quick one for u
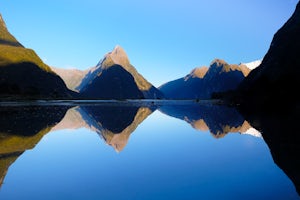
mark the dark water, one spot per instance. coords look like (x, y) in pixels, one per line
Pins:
(148, 150)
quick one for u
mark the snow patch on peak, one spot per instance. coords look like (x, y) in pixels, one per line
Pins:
(253, 132)
(252, 65)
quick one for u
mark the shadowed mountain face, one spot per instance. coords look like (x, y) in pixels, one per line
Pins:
(23, 74)
(203, 82)
(21, 128)
(29, 80)
(276, 80)
(218, 119)
(113, 83)
(116, 72)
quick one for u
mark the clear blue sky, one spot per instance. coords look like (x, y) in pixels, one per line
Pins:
(164, 40)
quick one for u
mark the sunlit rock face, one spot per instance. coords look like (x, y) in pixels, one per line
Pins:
(121, 80)
(5, 37)
(203, 81)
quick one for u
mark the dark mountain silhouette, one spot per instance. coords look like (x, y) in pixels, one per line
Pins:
(21, 128)
(113, 83)
(203, 82)
(217, 119)
(23, 74)
(268, 97)
(121, 80)
(276, 80)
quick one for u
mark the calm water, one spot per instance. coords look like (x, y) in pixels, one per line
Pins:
(135, 151)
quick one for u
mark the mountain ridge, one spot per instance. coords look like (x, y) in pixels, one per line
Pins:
(203, 82)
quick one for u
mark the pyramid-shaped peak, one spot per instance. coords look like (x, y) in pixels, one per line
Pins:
(118, 50)
(117, 56)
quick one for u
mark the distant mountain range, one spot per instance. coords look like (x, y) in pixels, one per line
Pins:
(204, 81)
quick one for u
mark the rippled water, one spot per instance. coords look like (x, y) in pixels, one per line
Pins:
(134, 150)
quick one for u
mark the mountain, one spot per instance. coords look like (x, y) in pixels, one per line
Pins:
(115, 78)
(23, 74)
(276, 80)
(268, 97)
(203, 82)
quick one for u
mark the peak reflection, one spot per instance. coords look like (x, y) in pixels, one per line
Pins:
(114, 123)
(219, 120)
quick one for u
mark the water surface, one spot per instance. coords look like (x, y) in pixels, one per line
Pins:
(145, 150)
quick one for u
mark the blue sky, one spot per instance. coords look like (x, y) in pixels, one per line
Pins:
(164, 40)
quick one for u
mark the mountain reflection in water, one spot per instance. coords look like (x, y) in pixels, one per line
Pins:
(22, 127)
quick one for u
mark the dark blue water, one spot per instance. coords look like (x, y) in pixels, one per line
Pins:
(135, 152)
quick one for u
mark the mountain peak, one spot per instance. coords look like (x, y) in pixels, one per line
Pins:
(2, 23)
(218, 62)
(220, 66)
(5, 37)
(116, 56)
(198, 72)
